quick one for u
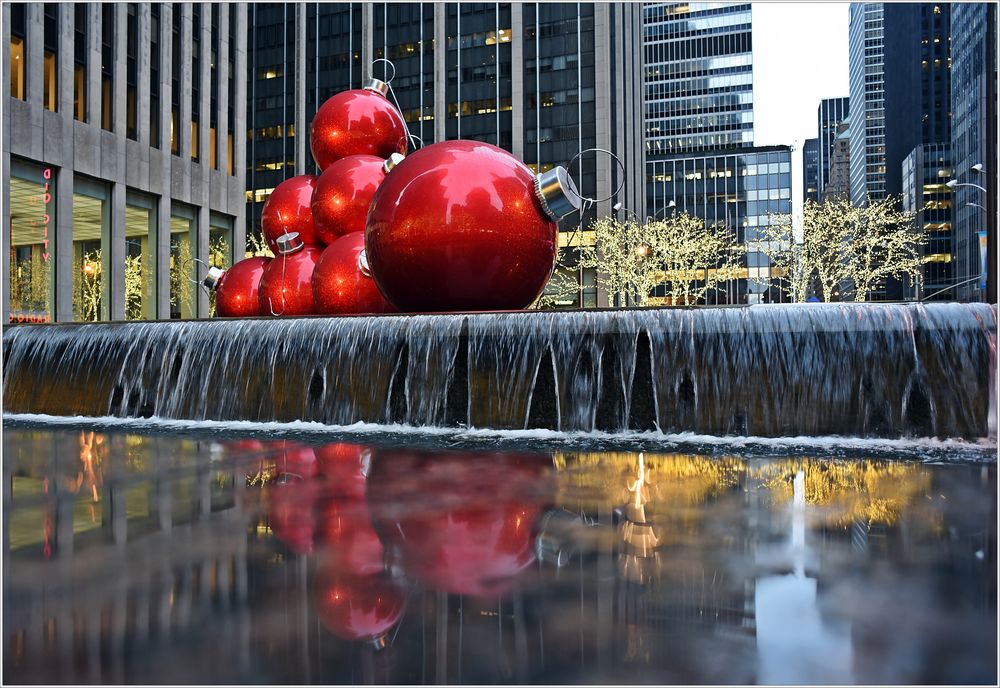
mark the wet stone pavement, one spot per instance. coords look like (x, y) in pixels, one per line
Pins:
(170, 559)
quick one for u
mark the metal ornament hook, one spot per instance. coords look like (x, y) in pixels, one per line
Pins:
(270, 304)
(389, 79)
(388, 82)
(621, 183)
(214, 274)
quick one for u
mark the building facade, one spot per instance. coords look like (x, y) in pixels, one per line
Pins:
(810, 171)
(123, 146)
(974, 142)
(740, 189)
(699, 77)
(925, 173)
(867, 101)
(830, 114)
(542, 80)
(838, 186)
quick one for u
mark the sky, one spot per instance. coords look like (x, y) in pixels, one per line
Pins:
(799, 58)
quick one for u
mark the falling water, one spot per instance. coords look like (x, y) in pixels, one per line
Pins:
(871, 370)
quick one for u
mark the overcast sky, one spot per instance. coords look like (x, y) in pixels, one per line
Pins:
(799, 58)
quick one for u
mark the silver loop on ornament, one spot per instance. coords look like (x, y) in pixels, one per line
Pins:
(621, 184)
(388, 62)
(270, 304)
(208, 283)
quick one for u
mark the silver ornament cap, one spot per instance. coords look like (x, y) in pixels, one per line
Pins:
(212, 278)
(363, 264)
(557, 193)
(392, 161)
(289, 243)
(377, 85)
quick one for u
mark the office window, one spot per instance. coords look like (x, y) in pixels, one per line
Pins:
(80, 62)
(140, 257)
(196, 85)
(154, 75)
(220, 248)
(31, 235)
(183, 248)
(107, 66)
(91, 259)
(131, 71)
(50, 64)
(175, 81)
(18, 34)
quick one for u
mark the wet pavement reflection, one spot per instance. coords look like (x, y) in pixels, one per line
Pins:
(171, 559)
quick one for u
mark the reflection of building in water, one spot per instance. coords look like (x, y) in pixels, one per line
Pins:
(101, 559)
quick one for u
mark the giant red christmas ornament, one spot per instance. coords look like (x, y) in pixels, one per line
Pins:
(237, 289)
(349, 540)
(463, 523)
(342, 282)
(289, 209)
(463, 225)
(345, 467)
(344, 193)
(357, 122)
(356, 607)
(286, 285)
(292, 507)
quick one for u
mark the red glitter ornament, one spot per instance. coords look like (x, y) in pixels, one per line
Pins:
(344, 466)
(291, 512)
(357, 122)
(289, 209)
(356, 607)
(344, 193)
(286, 285)
(237, 289)
(342, 282)
(463, 225)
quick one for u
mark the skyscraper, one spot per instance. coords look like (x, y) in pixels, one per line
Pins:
(699, 77)
(830, 114)
(838, 186)
(123, 153)
(542, 80)
(867, 101)
(925, 193)
(810, 171)
(973, 142)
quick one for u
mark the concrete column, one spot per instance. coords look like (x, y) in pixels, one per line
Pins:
(184, 109)
(517, 79)
(440, 71)
(93, 76)
(142, 86)
(5, 203)
(202, 253)
(116, 285)
(65, 72)
(367, 40)
(301, 161)
(163, 200)
(63, 257)
(239, 136)
(34, 51)
(201, 195)
(222, 104)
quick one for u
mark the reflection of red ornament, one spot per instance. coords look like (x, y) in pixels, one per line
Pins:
(296, 460)
(349, 540)
(356, 607)
(464, 523)
(291, 513)
(286, 286)
(237, 292)
(357, 122)
(458, 225)
(289, 209)
(344, 193)
(341, 281)
(344, 466)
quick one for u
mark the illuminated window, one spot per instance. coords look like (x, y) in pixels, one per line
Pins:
(183, 240)
(32, 224)
(17, 68)
(140, 258)
(175, 144)
(107, 61)
(211, 149)
(91, 259)
(79, 94)
(220, 248)
(50, 94)
(194, 141)
(229, 153)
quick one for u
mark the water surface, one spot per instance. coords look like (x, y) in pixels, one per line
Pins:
(188, 558)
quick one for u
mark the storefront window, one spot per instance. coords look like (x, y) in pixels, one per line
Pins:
(32, 228)
(183, 240)
(90, 251)
(140, 258)
(220, 248)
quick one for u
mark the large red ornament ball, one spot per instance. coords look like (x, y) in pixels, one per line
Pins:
(289, 209)
(344, 466)
(356, 122)
(343, 195)
(286, 285)
(292, 512)
(457, 226)
(356, 607)
(341, 283)
(237, 292)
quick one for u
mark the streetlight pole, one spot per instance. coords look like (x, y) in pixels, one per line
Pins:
(955, 184)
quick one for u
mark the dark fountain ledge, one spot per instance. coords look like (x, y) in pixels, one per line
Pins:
(781, 370)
